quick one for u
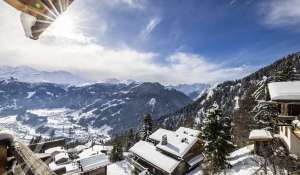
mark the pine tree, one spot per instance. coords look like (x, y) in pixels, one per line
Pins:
(117, 152)
(130, 139)
(216, 133)
(264, 112)
(52, 133)
(147, 127)
(286, 73)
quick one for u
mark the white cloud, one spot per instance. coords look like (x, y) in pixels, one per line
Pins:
(153, 23)
(135, 4)
(281, 12)
(94, 61)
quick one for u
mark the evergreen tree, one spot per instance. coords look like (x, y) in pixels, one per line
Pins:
(264, 112)
(117, 152)
(147, 127)
(286, 73)
(130, 139)
(52, 133)
(216, 134)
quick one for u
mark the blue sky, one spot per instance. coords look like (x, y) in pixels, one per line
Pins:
(169, 41)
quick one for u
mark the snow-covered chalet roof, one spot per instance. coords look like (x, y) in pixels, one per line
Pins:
(57, 149)
(188, 131)
(196, 160)
(285, 91)
(94, 162)
(157, 135)
(179, 141)
(94, 150)
(148, 152)
(178, 144)
(260, 134)
(70, 167)
(60, 156)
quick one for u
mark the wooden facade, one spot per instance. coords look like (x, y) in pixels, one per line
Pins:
(289, 112)
(99, 171)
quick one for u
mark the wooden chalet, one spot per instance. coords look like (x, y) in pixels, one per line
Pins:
(287, 96)
(168, 152)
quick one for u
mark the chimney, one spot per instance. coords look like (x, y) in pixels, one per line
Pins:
(164, 140)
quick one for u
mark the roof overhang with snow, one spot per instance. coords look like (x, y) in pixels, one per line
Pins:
(148, 152)
(260, 135)
(285, 91)
(94, 162)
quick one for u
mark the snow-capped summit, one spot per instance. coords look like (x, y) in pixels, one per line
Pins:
(192, 90)
(28, 74)
(118, 81)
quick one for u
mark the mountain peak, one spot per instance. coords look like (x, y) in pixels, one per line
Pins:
(29, 74)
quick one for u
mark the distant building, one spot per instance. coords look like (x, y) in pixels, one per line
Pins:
(287, 96)
(168, 152)
(94, 165)
(90, 161)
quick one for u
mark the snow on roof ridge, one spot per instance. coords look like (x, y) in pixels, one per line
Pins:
(259, 134)
(188, 131)
(179, 141)
(288, 90)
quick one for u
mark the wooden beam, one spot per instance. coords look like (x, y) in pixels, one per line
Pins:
(35, 165)
(3, 159)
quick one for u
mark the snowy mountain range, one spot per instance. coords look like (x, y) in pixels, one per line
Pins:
(31, 75)
(28, 74)
(117, 107)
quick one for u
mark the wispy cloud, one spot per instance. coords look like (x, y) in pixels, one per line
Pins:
(281, 12)
(232, 2)
(152, 24)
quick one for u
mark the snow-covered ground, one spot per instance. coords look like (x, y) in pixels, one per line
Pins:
(196, 171)
(119, 168)
(244, 162)
(21, 131)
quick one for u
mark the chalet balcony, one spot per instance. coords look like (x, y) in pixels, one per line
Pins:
(285, 120)
(288, 118)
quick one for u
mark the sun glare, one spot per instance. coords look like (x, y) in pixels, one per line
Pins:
(66, 26)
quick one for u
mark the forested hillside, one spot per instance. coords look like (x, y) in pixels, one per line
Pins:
(236, 98)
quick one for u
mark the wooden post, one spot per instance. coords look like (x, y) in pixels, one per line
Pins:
(3, 159)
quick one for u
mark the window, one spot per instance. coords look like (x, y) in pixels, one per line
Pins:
(294, 109)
